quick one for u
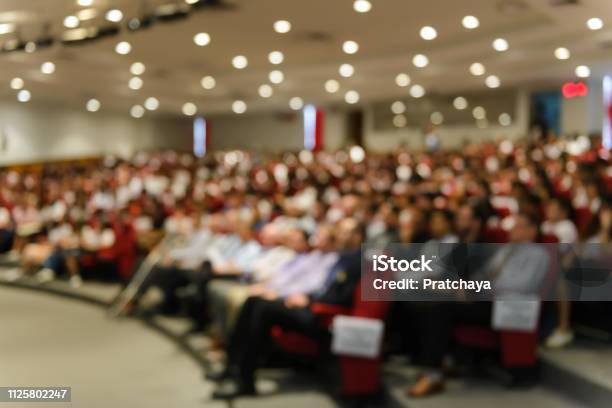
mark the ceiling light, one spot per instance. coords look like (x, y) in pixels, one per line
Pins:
(400, 121)
(562, 53)
(282, 26)
(479, 113)
(470, 22)
(84, 3)
(595, 23)
(24, 95)
(460, 103)
(505, 119)
(398, 107)
(87, 14)
(240, 62)
(114, 15)
(296, 103)
(428, 33)
(208, 83)
(265, 91)
(189, 109)
(239, 107)
(402, 80)
(137, 111)
(477, 69)
(93, 105)
(276, 57)
(362, 6)
(135, 83)
(350, 47)
(201, 39)
(346, 70)
(17, 83)
(332, 86)
(123, 48)
(436, 118)
(500, 45)
(582, 71)
(417, 91)
(151, 103)
(276, 77)
(351, 97)
(47, 68)
(71, 22)
(137, 68)
(420, 61)
(492, 81)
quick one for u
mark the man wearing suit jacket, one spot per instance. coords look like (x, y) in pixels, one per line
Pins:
(252, 332)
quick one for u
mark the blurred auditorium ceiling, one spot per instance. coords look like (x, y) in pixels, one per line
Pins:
(388, 37)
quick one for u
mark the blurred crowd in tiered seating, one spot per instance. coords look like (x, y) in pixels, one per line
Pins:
(265, 238)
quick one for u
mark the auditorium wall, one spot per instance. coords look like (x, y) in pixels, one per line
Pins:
(36, 132)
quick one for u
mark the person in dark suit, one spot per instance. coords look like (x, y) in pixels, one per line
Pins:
(251, 334)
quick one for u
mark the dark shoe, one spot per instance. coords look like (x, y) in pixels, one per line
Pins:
(232, 390)
(219, 375)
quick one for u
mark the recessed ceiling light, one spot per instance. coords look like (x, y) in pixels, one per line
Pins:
(428, 33)
(282, 26)
(30, 47)
(265, 91)
(84, 3)
(71, 22)
(351, 97)
(400, 121)
(562, 53)
(123, 48)
(417, 91)
(500, 45)
(398, 107)
(460, 103)
(583, 71)
(24, 95)
(151, 103)
(296, 103)
(470, 22)
(505, 119)
(208, 82)
(240, 62)
(479, 113)
(137, 111)
(276, 77)
(276, 57)
(17, 83)
(595, 23)
(362, 6)
(114, 15)
(137, 68)
(436, 118)
(93, 105)
(420, 61)
(346, 70)
(332, 86)
(87, 14)
(492, 81)
(350, 47)
(47, 68)
(402, 80)
(189, 109)
(135, 83)
(201, 39)
(239, 107)
(477, 69)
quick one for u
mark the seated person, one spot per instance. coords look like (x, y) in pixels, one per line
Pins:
(513, 268)
(251, 335)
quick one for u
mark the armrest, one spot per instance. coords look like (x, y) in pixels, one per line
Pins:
(326, 313)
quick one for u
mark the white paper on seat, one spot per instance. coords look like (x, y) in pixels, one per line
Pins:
(357, 336)
(520, 315)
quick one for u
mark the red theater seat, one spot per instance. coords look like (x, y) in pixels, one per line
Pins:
(360, 376)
